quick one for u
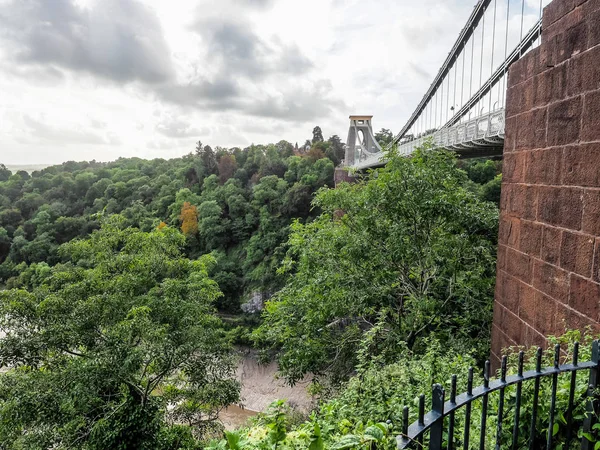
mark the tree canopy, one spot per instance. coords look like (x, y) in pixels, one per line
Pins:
(236, 202)
(408, 252)
(112, 345)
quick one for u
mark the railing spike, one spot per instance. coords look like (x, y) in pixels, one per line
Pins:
(405, 421)
(520, 364)
(421, 409)
(453, 389)
(538, 359)
(470, 382)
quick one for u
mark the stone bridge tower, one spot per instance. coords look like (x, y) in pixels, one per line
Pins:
(361, 141)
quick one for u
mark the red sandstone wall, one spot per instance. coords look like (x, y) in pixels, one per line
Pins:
(341, 175)
(549, 243)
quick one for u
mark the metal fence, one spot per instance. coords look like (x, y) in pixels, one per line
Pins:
(438, 427)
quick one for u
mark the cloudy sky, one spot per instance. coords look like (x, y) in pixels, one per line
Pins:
(99, 79)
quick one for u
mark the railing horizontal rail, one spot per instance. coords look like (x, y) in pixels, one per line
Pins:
(433, 421)
(495, 385)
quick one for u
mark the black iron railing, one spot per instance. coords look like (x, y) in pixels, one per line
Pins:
(439, 426)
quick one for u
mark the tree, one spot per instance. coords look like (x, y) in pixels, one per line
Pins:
(481, 172)
(5, 174)
(317, 135)
(384, 137)
(209, 159)
(337, 150)
(227, 167)
(189, 220)
(413, 255)
(104, 349)
(491, 190)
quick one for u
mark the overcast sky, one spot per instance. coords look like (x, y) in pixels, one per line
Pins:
(100, 79)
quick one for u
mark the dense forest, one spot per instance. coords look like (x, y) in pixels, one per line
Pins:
(236, 204)
(126, 286)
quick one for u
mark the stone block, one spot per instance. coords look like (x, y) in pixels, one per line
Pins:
(514, 100)
(530, 240)
(551, 242)
(527, 304)
(589, 6)
(561, 321)
(590, 120)
(510, 130)
(508, 232)
(585, 297)
(560, 206)
(591, 212)
(574, 39)
(513, 167)
(501, 260)
(545, 313)
(551, 280)
(519, 265)
(593, 28)
(531, 130)
(555, 11)
(551, 85)
(584, 72)
(564, 122)
(535, 339)
(517, 72)
(596, 265)
(582, 165)
(577, 253)
(521, 201)
(544, 166)
(515, 329)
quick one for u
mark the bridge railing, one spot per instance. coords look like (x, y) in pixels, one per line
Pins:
(438, 428)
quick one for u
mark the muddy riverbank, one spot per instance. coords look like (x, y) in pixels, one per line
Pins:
(261, 387)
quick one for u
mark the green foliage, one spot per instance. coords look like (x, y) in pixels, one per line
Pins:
(240, 216)
(384, 137)
(110, 346)
(366, 414)
(408, 253)
(490, 191)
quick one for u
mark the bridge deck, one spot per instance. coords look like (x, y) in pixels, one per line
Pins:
(478, 137)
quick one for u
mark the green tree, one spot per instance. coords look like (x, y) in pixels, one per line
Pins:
(108, 348)
(317, 135)
(413, 254)
(384, 137)
(5, 174)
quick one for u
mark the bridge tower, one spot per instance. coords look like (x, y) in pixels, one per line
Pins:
(361, 141)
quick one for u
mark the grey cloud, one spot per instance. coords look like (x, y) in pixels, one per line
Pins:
(244, 66)
(40, 130)
(179, 128)
(237, 50)
(299, 104)
(201, 93)
(120, 40)
(41, 75)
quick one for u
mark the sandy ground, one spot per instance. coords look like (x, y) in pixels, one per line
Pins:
(260, 388)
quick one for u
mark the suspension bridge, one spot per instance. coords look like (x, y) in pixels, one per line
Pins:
(464, 108)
